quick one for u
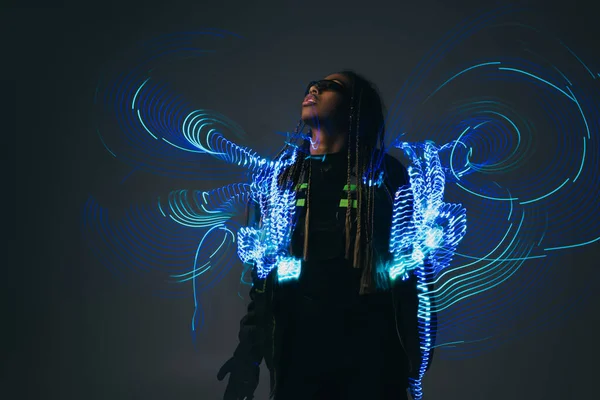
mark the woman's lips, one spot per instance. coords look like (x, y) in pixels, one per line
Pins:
(309, 100)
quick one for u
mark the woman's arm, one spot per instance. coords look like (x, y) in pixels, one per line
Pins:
(251, 325)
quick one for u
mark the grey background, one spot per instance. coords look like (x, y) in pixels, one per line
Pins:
(77, 333)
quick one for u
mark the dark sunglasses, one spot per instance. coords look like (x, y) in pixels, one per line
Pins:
(326, 84)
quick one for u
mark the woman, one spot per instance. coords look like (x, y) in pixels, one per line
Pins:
(342, 330)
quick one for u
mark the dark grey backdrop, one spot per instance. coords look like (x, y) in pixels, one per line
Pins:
(75, 332)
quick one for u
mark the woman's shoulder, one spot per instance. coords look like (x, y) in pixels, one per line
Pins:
(395, 172)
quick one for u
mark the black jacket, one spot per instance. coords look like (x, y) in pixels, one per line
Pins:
(261, 329)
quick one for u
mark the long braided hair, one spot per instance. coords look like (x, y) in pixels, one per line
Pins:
(366, 132)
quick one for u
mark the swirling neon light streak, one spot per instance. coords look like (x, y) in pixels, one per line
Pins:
(194, 280)
(461, 342)
(582, 160)
(209, 211)
(553, 66)
(447, 285)
(572, 245)
(483, 282)
(483, 290)
(511, 206)
(547, 194)
(160, 208)
(136, 94)
(578, 59)
(545, 230)
(144, 125)
(104, 144)
(180, 206)
(587, 127)
(480, 124)
(499, 259)
(189, 135)
(452, 152)
(484, 196)
(538, 78)
(486, 257)
(196, 272)
(183, 148)
(191, 225)
(460, 73)
(219, 248)
(514, 126)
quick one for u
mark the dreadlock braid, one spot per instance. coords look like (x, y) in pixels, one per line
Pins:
(294, 174)
(307, 216)
(348, 180)
(297, 178)
(359, 190)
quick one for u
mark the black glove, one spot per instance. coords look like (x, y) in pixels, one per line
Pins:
(243, 378)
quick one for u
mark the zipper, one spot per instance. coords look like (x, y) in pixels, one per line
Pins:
(389, 193)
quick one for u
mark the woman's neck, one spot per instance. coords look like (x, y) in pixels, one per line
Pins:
(325, 143)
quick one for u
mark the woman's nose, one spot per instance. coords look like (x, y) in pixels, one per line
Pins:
(313, 90)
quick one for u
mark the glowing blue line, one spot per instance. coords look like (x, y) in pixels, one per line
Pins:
(181, 148)
(184, 223)
(538, 78)
(102, 141)
(160, 208)
(210, 212)
(478, 273)
(460, 73)
(582, 160)
(481, 291)
(448, 344)
(511, 206)
(221, 245)
(513, 124)
(136, 93)
(452, 152)
(581, 111)
(468, 162)
(228, 230)
(573, 245)
(563, 75)
(545, 230)
(486, 197)
(142, 122)
(473, 263)
(547, 194)
(462, 341)
(188, 273)
(500, 259)
(483, 123)
(578, 59)
(194, 281)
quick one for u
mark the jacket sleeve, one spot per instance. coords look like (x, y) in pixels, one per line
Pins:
(251, 325)
(413, 327)
(395, 173)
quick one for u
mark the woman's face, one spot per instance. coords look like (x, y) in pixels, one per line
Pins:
(328, 107)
